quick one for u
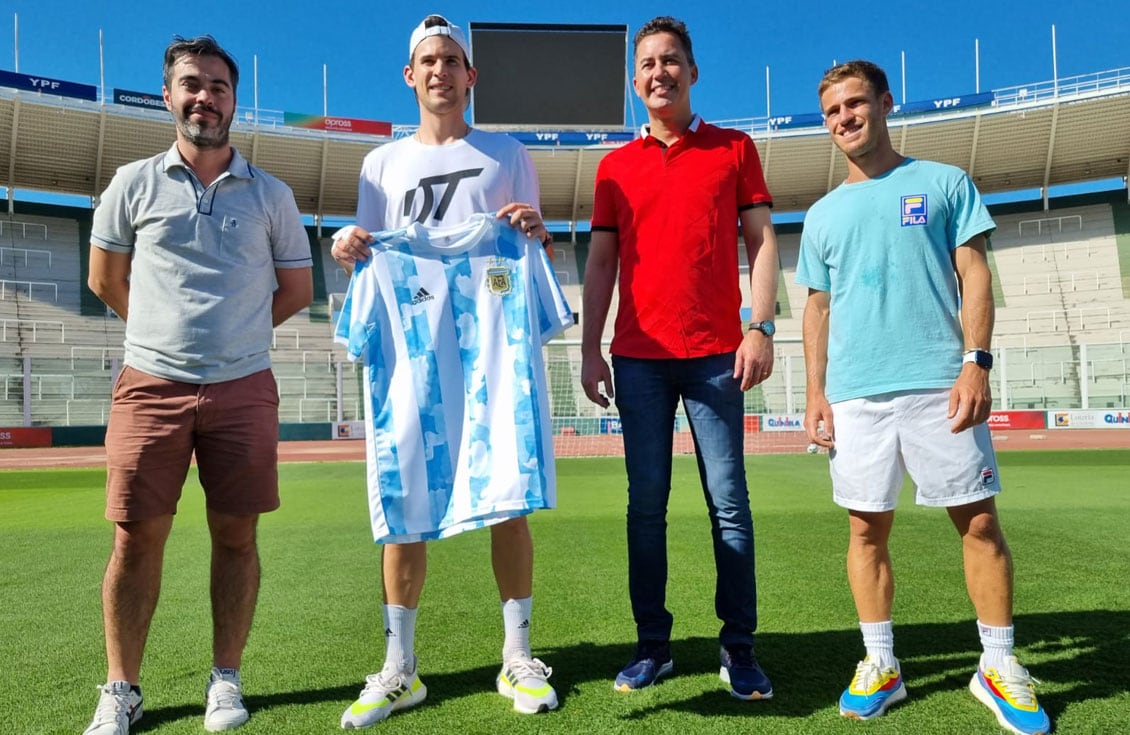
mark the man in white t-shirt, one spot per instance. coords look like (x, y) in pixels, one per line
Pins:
(440, 176)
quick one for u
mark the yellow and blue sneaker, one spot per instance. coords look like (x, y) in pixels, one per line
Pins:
(872, 691)
(523, 680)
(385, 692)
(1007, 690)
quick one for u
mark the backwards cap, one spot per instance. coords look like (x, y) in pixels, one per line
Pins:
(437, 25)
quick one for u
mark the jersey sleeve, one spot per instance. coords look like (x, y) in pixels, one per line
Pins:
(553, 313)
(355, 327)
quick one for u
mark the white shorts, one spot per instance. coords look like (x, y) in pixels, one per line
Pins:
(881, 438)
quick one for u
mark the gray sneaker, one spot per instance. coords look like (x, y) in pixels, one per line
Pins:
(118, 708)
(224, 695)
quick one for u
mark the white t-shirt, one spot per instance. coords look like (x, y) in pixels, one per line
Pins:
(450, 324)
(442, 185)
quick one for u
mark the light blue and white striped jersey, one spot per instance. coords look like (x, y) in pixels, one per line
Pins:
(450, 325)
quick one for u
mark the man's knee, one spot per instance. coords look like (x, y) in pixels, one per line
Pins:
(233, 533)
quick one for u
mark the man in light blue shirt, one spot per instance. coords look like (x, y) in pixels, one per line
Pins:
(896, 340)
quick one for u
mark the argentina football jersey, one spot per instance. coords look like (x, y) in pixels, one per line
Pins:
(449, 324)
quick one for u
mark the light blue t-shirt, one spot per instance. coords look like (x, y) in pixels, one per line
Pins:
(883, 248)
(450, 325)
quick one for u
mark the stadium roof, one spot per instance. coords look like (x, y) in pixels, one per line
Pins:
(1063, 132)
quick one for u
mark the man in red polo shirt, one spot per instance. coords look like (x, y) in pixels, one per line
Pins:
(665, 219)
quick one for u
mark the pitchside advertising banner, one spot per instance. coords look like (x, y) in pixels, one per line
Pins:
(1001, 420)
(349, 430)
(1093, 419)
(50, 86)
(38, 436)
(783, 422)
(337, 124)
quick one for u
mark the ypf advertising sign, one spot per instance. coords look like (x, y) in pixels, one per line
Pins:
(60, 87)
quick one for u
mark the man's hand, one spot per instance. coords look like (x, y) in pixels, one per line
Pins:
(594, 373)
(971, 398)
(818, 422)
(350, 246)
(753, 362)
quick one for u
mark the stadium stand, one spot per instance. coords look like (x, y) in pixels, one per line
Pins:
(1062, 267)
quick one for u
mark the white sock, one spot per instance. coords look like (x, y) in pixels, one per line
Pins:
(879, 639)
(997, 643)
(516, 624)
(400, 637)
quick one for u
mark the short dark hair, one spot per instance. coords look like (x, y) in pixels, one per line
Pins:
(666, 24)
(860, 69)
(199, 46)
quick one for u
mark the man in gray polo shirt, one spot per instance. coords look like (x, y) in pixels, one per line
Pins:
(201, 254)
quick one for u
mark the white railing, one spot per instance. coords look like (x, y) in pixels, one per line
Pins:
(36, 324)
(314, 413)
(26, 252)
(30, 285)
(13, 225)
(276, 333)
(285, 380)
(315, 359)
(104, 355)
(102, 406)
(1066, 316)
(1039, 224)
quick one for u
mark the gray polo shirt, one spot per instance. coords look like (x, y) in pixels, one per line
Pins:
(203, 264)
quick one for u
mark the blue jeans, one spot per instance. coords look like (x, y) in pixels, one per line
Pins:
(647, 394)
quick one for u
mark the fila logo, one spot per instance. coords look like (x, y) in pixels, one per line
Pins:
(421, 296)
(913, 210)
(446, 184)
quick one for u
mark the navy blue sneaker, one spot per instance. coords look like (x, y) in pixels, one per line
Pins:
(744, 675)
(653, 660)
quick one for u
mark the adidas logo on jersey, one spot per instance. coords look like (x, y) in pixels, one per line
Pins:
(421, 296)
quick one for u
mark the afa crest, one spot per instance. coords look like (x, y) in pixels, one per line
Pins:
(498, 281)
(913, 210)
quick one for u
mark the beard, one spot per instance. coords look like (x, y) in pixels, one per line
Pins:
(201, 135)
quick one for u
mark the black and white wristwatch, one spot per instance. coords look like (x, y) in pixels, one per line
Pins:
(980, 358)
(767, 328)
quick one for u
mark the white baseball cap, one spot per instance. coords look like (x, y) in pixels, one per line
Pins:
(437, 25)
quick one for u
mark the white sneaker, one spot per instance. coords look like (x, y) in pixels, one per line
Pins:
(224, 709)
(119, 706)
(385, 692)
(523, 679)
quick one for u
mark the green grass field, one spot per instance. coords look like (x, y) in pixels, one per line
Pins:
(317, 630)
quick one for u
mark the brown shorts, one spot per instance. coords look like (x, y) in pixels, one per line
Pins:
(155, 426)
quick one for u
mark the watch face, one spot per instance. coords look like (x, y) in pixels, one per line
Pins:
(769, 328)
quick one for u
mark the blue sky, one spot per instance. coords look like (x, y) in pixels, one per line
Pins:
(364, 45)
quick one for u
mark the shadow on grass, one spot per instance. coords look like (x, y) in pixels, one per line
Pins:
(1078, 656)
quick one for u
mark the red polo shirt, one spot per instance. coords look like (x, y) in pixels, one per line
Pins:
(675, 211)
